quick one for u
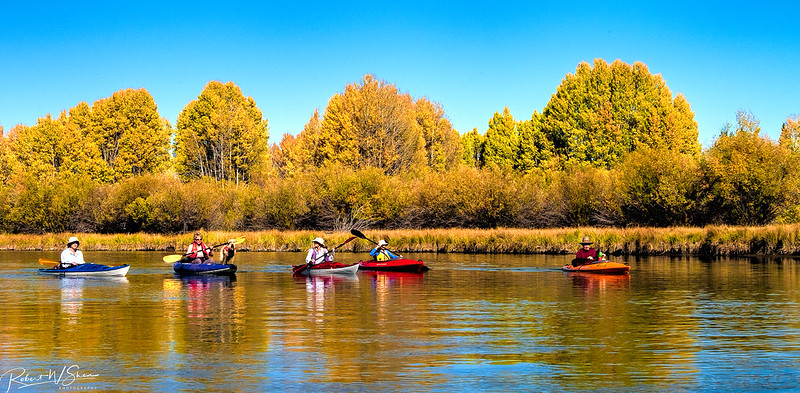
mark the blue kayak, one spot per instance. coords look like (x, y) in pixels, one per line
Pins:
(203, 268)
(88, 269)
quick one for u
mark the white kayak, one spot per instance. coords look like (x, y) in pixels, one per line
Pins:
(88, 270)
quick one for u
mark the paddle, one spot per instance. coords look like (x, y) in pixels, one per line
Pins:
(177, 257)
(48, 262)
(300, 268)
(358, 233)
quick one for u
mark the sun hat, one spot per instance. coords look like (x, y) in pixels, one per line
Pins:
(586, 240)
(382, 243)
(319, 241)
(73, 240)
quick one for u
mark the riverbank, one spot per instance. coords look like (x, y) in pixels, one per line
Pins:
(712, 240)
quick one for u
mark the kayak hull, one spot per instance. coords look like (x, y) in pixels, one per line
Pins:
(88, 270)
(395, 265)
(605, 267)
(203, 269)
(326, 268)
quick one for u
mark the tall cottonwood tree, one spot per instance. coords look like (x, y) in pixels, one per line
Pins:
(442, 144)
(126, 128)
(604, 111)
(55, 147)
(221, 135)
(790, 134)
(370, 125)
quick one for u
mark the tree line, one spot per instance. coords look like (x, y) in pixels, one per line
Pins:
(613, 147)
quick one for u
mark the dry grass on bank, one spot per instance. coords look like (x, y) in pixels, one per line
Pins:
(712, 240)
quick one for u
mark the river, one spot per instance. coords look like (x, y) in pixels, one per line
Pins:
(472, 323)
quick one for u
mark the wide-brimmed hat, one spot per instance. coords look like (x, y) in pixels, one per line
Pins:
(586, 240)
(319, 241)
(73, 240)
(382, 243)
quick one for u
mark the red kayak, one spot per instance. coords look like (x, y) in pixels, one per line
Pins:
(606, 267)
(394, 265)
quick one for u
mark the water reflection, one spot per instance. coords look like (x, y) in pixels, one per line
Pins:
(73, 296)
(593, 283)
(320, 288)
(483, 322)
(204, 308)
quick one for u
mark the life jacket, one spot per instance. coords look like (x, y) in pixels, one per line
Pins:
(382, 256)
(195, 250)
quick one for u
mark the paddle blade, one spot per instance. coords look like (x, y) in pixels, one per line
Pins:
(239, 240)
(47, 262)
(357, 233)
(172, 258)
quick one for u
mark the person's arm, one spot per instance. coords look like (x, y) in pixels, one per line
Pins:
(310, 256)
(392, 255)
(66, 259)
(374, 253)
(79, 257)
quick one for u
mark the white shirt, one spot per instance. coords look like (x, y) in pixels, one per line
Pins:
(314, 257)
(70, 257)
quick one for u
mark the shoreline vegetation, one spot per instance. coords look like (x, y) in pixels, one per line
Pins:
(705, 241)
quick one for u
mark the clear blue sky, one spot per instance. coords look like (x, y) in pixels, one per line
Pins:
(474, 58)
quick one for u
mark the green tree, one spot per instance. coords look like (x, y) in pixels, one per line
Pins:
(748, 178)
(534, 150)
(221, 135)
(658, 187)
(472, 149)
(501, 143)
(604, 111)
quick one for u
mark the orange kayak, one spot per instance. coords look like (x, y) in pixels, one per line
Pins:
(606, 267)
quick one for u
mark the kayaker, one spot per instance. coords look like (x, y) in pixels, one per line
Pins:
(198, 252)
(71, 256)
(586, 254)
(318, 253)
(380, 253)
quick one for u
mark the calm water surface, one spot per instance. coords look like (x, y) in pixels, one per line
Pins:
(474, 322)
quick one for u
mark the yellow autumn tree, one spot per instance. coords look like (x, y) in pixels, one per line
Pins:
(222, 134)
(369, 125)
(790, 134)
(442, 142)
(55, 147)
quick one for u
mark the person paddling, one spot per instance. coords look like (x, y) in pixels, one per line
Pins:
(586, 254)
(318, 253)
(380, 253)
(198, 252)
(71, 256)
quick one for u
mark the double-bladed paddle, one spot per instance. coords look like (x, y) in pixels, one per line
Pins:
(177, 257)
(358, 233)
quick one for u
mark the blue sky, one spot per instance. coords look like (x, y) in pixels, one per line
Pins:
(474, 58)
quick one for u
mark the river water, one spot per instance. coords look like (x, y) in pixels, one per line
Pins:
(472, 323)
